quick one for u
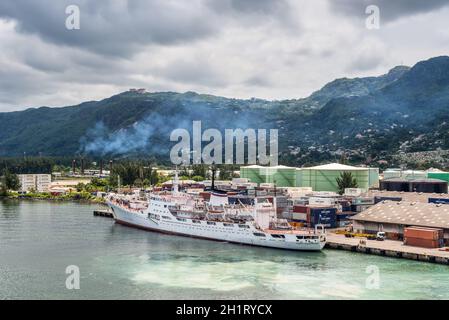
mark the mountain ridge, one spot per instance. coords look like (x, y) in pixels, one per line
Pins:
(354, 117)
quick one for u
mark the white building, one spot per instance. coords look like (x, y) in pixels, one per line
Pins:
(37, 182)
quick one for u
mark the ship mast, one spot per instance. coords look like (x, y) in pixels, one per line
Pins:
(176, 181)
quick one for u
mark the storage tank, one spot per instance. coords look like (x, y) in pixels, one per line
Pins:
(282, 176)
(324, 178)
(439, 175)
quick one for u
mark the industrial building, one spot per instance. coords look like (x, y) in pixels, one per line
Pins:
(415, 185)
(415, 174)
(36, 182)
(393, 217)
(381, 195)
(282, 176)
(324, 178)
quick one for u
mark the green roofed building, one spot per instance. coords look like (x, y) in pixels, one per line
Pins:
(324, 178)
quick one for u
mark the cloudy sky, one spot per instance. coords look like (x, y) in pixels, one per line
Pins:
(273, 49)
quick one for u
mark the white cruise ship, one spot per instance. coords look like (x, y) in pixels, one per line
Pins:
(182, 214)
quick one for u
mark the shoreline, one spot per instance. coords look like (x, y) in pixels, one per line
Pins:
(98, 201)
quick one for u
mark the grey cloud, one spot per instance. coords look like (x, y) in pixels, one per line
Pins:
(112, 27)
(121, 28)
(390, 10)
(268, 7)
(364, 63)
(259, 81)
(196, 71)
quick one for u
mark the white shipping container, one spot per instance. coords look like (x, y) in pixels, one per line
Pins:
(355, 192)
(314, 201)
(299, 216)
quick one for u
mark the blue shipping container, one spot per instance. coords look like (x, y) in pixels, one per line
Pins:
(438, 200)
(324, 216)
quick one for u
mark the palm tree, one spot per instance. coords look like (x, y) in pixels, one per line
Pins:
(346, 180)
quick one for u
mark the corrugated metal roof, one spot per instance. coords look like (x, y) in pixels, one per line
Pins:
(407, 213)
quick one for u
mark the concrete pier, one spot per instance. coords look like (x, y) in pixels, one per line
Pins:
(387, 248)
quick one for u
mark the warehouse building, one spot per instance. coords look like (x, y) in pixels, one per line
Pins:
(393, 217)
(381, 195)
(324, 178)
(414, 185)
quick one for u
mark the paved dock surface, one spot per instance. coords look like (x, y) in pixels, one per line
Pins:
(388, 248)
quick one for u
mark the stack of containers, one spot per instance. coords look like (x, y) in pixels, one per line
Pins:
(423, 237)
(326, 216)
(300, 213)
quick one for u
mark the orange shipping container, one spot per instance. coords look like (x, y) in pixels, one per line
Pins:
(423, 243)
(423, 233)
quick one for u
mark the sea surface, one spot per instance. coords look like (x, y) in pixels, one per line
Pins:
(40, 239)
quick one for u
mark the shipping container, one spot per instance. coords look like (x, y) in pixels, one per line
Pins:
(423, 243)
(324, 216)
(423, 233)
(363, 201)
(299, 216)
(300, 209)
(438, 200)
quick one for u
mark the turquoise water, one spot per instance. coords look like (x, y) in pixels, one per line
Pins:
(38, 240)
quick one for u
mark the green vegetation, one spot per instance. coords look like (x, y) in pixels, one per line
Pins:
(8, 181)
(71, 196)
(346, 180)
(133, 173)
